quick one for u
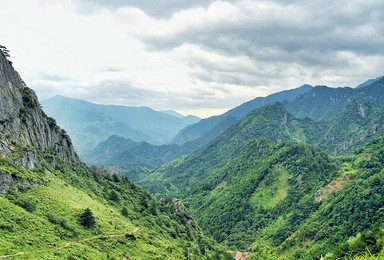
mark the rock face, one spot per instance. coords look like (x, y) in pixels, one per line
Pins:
(22, 121)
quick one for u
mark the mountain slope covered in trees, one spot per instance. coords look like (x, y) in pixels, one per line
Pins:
(354, 126)
(128, 154)
(296, 200)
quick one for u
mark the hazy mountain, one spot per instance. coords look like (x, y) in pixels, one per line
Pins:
(123, 152)
(173, 113)
(89, 124)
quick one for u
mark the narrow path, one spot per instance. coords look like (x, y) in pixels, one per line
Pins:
(70, 243)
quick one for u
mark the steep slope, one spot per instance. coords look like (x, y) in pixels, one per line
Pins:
(350, 219)
(89, 124)
(323, 102)
(54, 207)
(206, 130)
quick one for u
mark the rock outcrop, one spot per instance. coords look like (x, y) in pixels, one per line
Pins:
(26, 132)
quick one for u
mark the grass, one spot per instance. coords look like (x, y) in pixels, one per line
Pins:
(272, 189)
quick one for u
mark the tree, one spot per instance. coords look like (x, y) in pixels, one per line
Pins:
(124, 212)
(114, 196)
(87, 219)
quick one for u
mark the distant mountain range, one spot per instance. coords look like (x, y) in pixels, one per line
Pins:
(89, 124)
(320, 102)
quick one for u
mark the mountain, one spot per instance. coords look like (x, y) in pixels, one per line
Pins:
(323, 102)
(295, 200)
(54, 207)
(359, 122)
(271, 121)
(369, 82)
(89, 124)
(123, 152)
(206, 130)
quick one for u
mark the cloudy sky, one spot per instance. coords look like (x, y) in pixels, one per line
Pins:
(194, 56)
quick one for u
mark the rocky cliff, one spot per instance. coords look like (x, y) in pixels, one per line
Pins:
(26, 132)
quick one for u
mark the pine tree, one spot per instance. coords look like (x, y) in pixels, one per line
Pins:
(87, 219)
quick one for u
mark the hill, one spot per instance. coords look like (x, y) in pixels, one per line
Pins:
(54, 207)
(89, 124)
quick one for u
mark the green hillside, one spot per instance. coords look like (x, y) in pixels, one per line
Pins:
(271, 121)
(54, 207)
(41, 215)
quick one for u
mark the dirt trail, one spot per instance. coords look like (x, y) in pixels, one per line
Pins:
(69, 243)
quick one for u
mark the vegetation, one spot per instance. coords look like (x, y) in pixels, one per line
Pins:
(357, 124)
(69, 211)
(296, 201)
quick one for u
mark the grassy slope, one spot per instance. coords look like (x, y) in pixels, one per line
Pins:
(43, 219)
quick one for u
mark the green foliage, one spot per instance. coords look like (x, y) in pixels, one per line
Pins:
(29, 98)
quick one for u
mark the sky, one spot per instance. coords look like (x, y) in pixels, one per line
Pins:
(198, 57)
